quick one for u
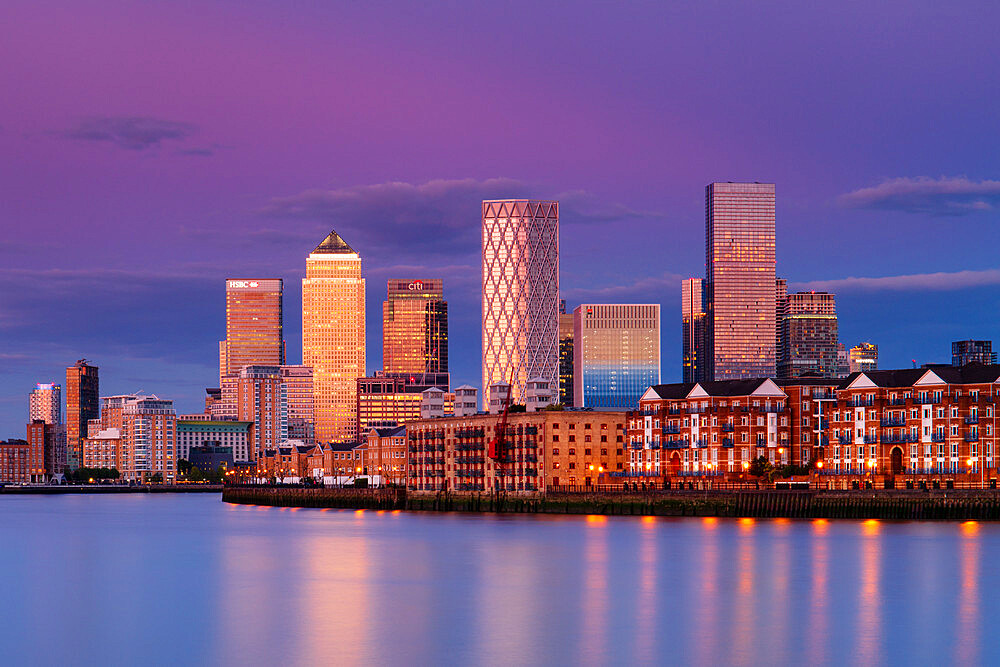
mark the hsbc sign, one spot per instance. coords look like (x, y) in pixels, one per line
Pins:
(243, 284)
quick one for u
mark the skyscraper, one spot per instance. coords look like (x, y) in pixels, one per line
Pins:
(616, 353)
(565, 355)
(520, 293)
(333, 335)
(82, 405)
(261, 399)
(298, 386)
(864, 357)
(254, 332)
(740, 263)
(45, 403)
(808, 335)
(693, 330)
(415, 327)
(967, 351)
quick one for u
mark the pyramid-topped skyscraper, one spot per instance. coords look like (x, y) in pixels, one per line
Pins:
(333, 335)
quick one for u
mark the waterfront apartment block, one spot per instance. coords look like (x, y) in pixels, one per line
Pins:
(741, 332)
(520, 295)
(15, 461)
(103, 449)
(82, 405)
(333, 336)
(894, 425)
(616, 353)
(47, 450)
(709, 428)
(146, 443)
(415, 327)
(45, 403)
(545, 450)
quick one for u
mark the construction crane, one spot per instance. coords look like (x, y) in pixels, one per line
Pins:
(497, 449)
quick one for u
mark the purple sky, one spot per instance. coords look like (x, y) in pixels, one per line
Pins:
(149, 150)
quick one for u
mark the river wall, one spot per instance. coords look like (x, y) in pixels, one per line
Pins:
(902, 505)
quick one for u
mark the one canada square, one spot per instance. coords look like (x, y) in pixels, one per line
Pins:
(740, 299)
(520, 293)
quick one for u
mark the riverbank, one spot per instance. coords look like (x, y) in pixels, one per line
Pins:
(98, 488)
(948, 505)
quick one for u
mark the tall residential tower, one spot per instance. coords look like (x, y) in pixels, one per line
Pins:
(82, 405)
(520, 293)
(254, 333)
(45, 403)
(740, 266)
(333, 336)
(808, 340)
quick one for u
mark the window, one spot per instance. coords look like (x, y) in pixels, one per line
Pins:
(586, 452)
(555, 438)
(586, 438)
(572, 438)
(555, 451)
(604, 452)
(572, 452)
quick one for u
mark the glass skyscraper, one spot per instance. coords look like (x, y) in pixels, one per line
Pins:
(333, 336)
(520, 293)
(415, 327)
(693, 330)
(740, 296)
(616, 353)
(808, 340)
(82, 405)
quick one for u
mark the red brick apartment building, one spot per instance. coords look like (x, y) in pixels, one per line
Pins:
(892, 428)
(546, 450)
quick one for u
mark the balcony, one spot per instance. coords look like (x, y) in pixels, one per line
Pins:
(672, 430)
(972, 436)
(727, 442)
(938, 437)
(655, 444)
(774, 409)
(727, 428)
(871, 440)
(636, 445)
(702, 443)
(695, 410)
(843, 440)
(892, 421)
(859, 402)
(674, 444)
(972, 419)
(896, 402)
(673, 411)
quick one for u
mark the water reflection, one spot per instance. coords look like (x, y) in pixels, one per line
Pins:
(967, 632)
(253, 585)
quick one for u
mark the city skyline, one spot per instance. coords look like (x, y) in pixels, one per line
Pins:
(127, 207)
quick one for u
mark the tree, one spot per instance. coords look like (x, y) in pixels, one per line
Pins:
(761, 467)
(183, 466)
(156, 478)
(554, 407)
(195, 474)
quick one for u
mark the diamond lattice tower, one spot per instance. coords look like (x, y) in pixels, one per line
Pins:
(520, 293)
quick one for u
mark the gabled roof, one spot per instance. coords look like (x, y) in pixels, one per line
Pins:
(679, 390)
(466, 386)
(973, 373)
(672, 391)
(333, 244)
(392, 432)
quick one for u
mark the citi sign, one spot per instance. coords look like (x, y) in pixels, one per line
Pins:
(240, 284)
(415, 286)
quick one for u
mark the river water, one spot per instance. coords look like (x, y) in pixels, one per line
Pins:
(187, 579)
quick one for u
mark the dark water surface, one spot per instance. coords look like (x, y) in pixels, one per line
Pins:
(186, 579)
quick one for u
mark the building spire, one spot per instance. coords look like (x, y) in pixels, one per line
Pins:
(333, 244)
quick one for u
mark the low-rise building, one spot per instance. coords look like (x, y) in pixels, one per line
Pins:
(384, 454)
(193, 432)
(15, 461)
(103, 449)
(545, 450)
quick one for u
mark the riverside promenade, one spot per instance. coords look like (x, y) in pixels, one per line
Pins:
(945, 505)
